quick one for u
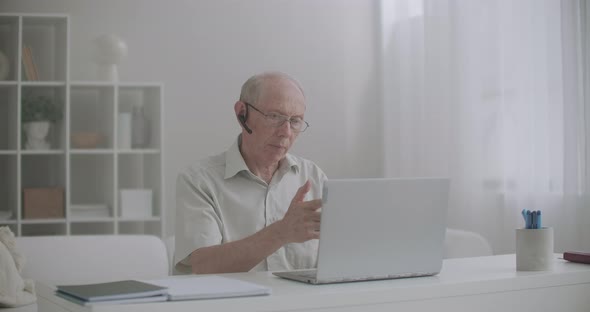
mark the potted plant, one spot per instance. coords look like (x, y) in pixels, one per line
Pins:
(38, 113)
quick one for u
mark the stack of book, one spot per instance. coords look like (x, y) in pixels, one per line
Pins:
(167, 289)
(208, 287)
(127, 291)
(29, 65)
(90, 211)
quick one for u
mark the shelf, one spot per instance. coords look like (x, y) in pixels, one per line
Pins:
(9, 36)
(139, 171)
(47, 38)
(57, 130)
(99, 83)
(43, 228)
(92, 179)
(43, 83)
(84, 161)
(138, 151)
(92, 83)
(140, 84)
(43, 221)
(43, 171)
(91, 151)
(92, 228)
(151, 219)
(149, 99)
(118, 151)
(8, 117)
(91, 220)
(42, 152)
(91, 117)
(8, 184)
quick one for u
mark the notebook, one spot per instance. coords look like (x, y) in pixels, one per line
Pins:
(171, 288)
(158, 298)
(125, 291)
(379, 229)
(208, 287)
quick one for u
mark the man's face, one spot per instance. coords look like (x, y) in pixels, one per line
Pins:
(271, 143)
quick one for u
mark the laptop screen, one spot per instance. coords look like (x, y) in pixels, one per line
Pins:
(381, 227)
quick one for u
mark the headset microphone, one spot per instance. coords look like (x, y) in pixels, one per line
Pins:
(242, 119)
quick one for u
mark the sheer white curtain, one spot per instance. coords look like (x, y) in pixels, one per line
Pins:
(491, 94)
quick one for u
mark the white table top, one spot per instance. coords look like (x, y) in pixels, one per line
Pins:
(459, 277)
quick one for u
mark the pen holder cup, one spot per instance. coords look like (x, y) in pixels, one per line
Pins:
(534, 249)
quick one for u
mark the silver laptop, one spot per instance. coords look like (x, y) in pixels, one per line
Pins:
(379, 229)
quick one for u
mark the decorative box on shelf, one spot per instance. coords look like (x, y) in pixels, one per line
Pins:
(43, 203)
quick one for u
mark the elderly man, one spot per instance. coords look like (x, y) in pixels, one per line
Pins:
(253, 207)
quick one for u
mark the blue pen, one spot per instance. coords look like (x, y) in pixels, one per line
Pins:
(534, 220)
(539, 219)
(528, 219)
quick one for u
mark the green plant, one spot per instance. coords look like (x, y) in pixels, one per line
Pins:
(40, 108)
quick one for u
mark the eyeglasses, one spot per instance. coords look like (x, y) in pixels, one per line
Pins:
(276, 120)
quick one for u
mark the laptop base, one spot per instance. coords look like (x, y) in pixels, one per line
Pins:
(309, 277)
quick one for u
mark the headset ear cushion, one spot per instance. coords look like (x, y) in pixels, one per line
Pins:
(242, 118)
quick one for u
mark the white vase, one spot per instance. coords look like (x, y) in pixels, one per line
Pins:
(109, 51)
(36, 133)
(108, 72)
(124, 131)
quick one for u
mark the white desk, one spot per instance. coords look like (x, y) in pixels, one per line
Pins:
(467, 284)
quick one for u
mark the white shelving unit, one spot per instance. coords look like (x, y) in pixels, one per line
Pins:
(91, 176)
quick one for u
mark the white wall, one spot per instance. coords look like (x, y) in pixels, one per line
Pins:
(204, 50)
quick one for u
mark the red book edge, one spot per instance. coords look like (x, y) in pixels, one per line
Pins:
(576, 256)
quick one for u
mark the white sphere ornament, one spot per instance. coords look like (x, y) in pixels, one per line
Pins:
(110, 51)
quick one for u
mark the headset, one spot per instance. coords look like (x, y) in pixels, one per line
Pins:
(242, 119)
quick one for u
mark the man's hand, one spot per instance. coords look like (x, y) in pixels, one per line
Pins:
(302, 220)
(301, 223)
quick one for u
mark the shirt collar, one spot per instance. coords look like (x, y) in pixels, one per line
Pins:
(235, 163)
(289, 162)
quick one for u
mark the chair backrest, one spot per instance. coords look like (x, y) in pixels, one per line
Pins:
(463, 244)
(92, 258)
(169, 242)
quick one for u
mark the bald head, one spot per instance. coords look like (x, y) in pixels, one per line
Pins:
(257, 85)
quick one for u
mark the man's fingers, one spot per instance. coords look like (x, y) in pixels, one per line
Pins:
(313, 217)
(314, 235)
(300, 195)
(314, 204)
(316, 217)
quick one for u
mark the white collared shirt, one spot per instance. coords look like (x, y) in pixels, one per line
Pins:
(219, 200)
